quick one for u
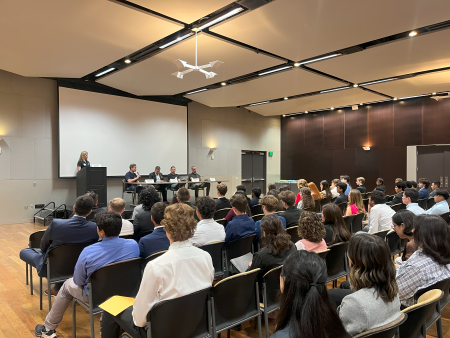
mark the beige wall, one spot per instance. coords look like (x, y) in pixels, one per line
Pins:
(29, 159)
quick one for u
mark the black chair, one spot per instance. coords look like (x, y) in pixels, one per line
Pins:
(126, 236)
(127, 214)
(323, 254)
(357, 223)
(446, 217)
(217, 254)
(125, 191)
(317, 207)
(222, 221)
(152, 257)
(324, 201)
(403, 243)
(270, 291)
(430, 203)
(382, 234)
(191, 313)
(337, 264)
(257, 218)
(366, 203)
(343, 207)
(385, 331)
(393, 241)
(398, 206)
(234, 300)
(34, 241)
(349, 221)
(389, 198)
(256, 209)
(61, 261)
(423, 203)
(221, 213)
(106, 282)
(237, 248)
(293, 232)
(415, 325)
(333, 199)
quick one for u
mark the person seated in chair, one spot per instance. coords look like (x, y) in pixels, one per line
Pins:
(256, 193)
(117, 205)
(95, 208)
(222, 202)
(182, 270)
(434, 186)
(410, 198)
(292, 213)
(132, 177)
(360, 184)
(157, 176)
(241, 225)
(207, 231)
(143, 224)
(424, 183)
(197, 186)
(156, 241)
(380, 185)
(269, 205)
(109, 250)
(183, 196)
(399, 189)
(379, 214)
(63, 231)
(342, 198)
(346, 179)
(174, 176)
(441, 206)
(411, 185)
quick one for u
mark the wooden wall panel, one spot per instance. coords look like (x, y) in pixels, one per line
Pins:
(314, 131)
(367, 166)
(380, 125)
(436, 121)
(392, 166)
(355, 128)
(344, 163)
(408, 122)
(292, 134)
(333, 130)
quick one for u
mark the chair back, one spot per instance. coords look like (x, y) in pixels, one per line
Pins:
(293, 232)
(343, 207)
(349, 221)
(191, 323)
(337, 261)
(389, 198)
(323, 254)
(357, 223)
(324, 201)
(430, 203)
(423, 203)
(271, 289)
(239, 247)
(35, 239)
(414, 326)
(221, 213)
(152, 257)
(216, 251)
(127, 214)
(257, 218)
(393, 241)
(443, 285)
(446, 217)
(109, 281)
(382, 234)
(222, 221)
(241, 291)
(256, 209)
(317, 206)
(333, 199)
(366, 203)
(385, 331)
(398, 206)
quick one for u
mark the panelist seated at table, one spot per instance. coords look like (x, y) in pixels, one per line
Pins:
(174, 176)
(157, 176)
(196, 186)
(83, 161)
(133, 177)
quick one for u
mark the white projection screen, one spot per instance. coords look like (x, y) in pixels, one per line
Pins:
(117, 131)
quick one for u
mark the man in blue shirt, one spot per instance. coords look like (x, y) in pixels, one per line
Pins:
(424, 183)
(441, 206)
(110, 250)
(241, 225)
(131, 177)
(269, 205)
(156, 241)
(410, 198)
(346, 179)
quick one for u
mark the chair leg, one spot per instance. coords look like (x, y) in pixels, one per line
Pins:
(40, 293)
(91, 317)
(49, 295)
(266, 323)
(228, 333)
(259, 326)
(26, 273)
(74, 319)
(440, 334)
(31, 280)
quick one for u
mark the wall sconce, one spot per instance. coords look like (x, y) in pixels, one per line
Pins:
(366, 148)
(211, 152)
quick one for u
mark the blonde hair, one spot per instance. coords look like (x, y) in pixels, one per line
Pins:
(314, 191)
(356, 199)
(83, 156)
(302, 183)
(117, 205)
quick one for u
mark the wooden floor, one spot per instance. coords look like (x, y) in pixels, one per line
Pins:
(19, 311)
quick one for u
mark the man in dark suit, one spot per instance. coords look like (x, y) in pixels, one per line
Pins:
(95, 208)
(292, 213)
(156, 241)
(360, 184)
(380, 185)
(399, 188)
(63, 231)
(157, 176)
(222, 202)
(342, 198)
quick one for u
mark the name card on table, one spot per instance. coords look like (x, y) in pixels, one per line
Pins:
(173, 180)
(195, 180)
(212, 179)
(149, 180)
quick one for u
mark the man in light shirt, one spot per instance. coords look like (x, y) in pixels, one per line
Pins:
(117, 205)
(410, 198)
(207, 231)
(441, 207)
(380, 214)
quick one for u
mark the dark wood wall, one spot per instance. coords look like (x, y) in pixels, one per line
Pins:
(326, 145)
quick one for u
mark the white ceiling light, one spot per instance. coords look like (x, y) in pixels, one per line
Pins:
(355, 85)
(105, 72)
(395, 99)
(127, 61)
(197, 91)
(318, 59)
(183, 64)
(221, 18)
(286, 98)
(306, 112)
(379, 81)
(433, 93)
(274, 70)
(413, 33)
(176, 40)
(378, 101)
(334, 90)
(411, 97)
(223, 84)
(255, 104)
(332, 108)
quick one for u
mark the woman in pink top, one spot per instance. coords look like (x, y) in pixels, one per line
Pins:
(312, 232)
(355, 203)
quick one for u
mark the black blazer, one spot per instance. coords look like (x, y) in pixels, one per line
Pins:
(142, 224)
(362, 189)
(397, 199)
(95, 211)
(222, 203)
(342, 198)
(380, 187)
(153, 176)
(292, 214)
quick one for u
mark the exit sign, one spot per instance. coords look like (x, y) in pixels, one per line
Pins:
(270, 153)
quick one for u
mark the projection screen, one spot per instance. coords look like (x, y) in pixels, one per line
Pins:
(117, 131)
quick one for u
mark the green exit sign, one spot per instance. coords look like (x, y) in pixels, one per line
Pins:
(270, 153)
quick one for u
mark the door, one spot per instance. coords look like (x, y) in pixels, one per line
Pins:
(254, 170)
(433, 162)
(446, 178)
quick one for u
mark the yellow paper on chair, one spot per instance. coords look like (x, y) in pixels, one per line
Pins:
(116, 304)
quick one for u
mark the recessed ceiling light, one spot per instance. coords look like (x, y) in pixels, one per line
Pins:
(355, 85)
(361, 104)
(413, 33)
(306, 112)
(284, 115)
(332, 108)
(223, 83)
(395, 99)
(286, 98)
(433, 93)
(104, 72)
(297, 64)
(127, 61)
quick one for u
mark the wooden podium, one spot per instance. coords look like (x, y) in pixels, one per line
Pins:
(93, 179)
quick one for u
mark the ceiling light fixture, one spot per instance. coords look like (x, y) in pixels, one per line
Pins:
(274, 70)
(411, 97)
(221, 18)
(355, 85)
(297, 64)
(286, 98)
(395, 99)
(255, 104)
(361, 104)
(315, 111)
(223, 84)
(105, 72)
(433, 93)
(334, 90)
(379, 81)
(318, 59)
(332, 108)
(378, 101)
(176, 40)
(197, 91)
(413, 33)
(306, 112)
(127, 61)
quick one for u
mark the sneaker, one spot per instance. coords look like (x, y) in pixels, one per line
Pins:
(53, 292)
(40, 331)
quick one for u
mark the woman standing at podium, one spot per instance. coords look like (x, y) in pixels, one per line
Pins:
(83, 161)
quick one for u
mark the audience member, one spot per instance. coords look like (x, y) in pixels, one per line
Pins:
(117, 205)
(410, 198)
(95, 208)
(307, 202)
(380, 185)
(132, 177)
(241, 225)
(182, 270)
(292, 214)
(197, 186)
(342, 198)
(316, 195)
(424, 183)
(441, 206)
(222, 202)
(156, 241)
(355, 203)
(333, 187)
(276, 193)
(269, 205)
(380, 214)
(231, 213)
(346, 179)
(184, 197)
(360, 184)
(256, 193)
(305, 309)
(243, 190)
(207, 231)
(63, 231)
(434, 186)
(373, 301)
(404, 222)
(143, 224)
(109, 250)
(138, 208)
(325, 189)
(335, 227)
(411, 185)
(399, 189)
(284, 187)
(398, 180)
(312, 232)
(300, 184)
(430, 263)
(271, 186)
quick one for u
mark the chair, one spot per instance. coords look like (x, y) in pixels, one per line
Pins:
(430, 203)
(270, 291)
(349, 221)
(423, 203)
(337, 264)
(323, 254)
(398, 206)
(257, 218)
(357, 223)
(124, 190)
(216, 251)
(221, 213)
(152, 257)
(101, 288)
(195, 323)
(60, 261)
(385, 331)
(34, 241)
(343, 207)
(126, 236)
(237, 248)
(324, 201)
(242, 292)
(366, 203)
(389, 198)
(293, 232)
(127, 214)
(393, 241)
(317, 207)
(446, 217)
(222, 221)
(415, 325)
(382, 234)
(256, 209)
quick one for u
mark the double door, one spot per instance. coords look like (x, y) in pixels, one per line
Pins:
(433, 162)
(254, 170)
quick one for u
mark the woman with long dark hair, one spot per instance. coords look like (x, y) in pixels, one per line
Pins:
(325, 189)
(307, 202)
(305, 309)
(334, 225)
(404, 222)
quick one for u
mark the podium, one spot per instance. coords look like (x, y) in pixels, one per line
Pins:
(93, 179)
